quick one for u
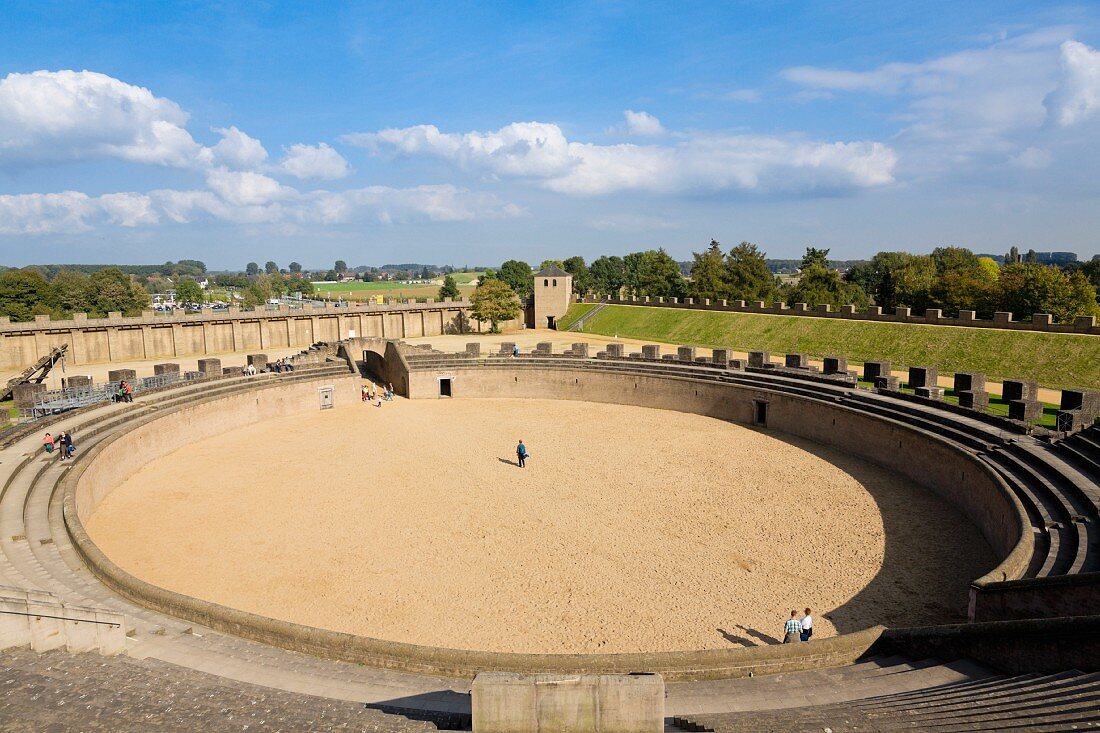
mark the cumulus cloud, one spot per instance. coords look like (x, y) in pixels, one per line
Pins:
(314, 161)
(72, 212)
(72, 115)
(540, 151)
(237, 150)
(642, 124)
(1077, 98)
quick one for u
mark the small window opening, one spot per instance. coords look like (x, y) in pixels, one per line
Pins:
(760, 413)
(444, 387)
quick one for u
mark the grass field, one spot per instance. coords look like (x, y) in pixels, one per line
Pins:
(363, 291)
(1053, 359)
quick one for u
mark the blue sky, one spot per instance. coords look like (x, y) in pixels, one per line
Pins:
(472, 133)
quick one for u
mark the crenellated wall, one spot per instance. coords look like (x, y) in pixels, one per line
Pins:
(156, 336)
(901, 314)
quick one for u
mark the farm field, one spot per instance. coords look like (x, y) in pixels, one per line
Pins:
(363, 291)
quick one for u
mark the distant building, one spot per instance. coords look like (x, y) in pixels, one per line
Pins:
(553, 293)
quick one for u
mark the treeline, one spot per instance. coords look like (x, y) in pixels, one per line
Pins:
(26, 293)
(194, 268)
(950, 278)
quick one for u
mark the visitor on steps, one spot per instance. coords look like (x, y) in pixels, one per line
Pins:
(127, 391)
(521, 454)
(515, 350)
(792, 630)
(66, 443)
(807, 626)
(47, 443)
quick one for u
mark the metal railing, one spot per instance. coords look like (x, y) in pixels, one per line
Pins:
(56, 401)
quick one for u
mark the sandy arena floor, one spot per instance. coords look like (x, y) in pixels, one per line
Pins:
(411, 522)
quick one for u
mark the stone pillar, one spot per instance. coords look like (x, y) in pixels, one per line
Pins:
(580, 349)
(210, 367)
(888, 381)
(836, 365)
(874, 311)
(799, 308)
(117, 375)
(968, 316)
(685, 353)
(1042, 319)
(76, 381)
(796, 361)
(651, 351)
(973, 399)
(506, 348)
(933, 314)
(922, 377)
(1084, 322)
(902, 311)
(930, 393)
(758, 359)
(1085, 400)
(1020, 389)
(848, 310)
(874, 369)
(1002, 317)
(166, 370)
(1025, 410)
(969, 382)
(720, 357)
(23, 394)
(824, 308)
(258, 360)
(615, 350)
(473, 350)
(544, 348)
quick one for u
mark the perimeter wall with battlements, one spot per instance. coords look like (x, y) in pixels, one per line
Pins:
(163, 336)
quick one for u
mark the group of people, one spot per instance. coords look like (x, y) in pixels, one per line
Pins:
(249, 371)
(281, 365)
(373, 395)
(125, 392)
(798, 629)
(63, 443)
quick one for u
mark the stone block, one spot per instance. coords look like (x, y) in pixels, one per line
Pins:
(889, 382)
(902, 311)
(702, 360)
(796, 361)
(835, 365)
(193, 375)
(544, 348)
(779, 305)
(1026, 410)
(76, 381)
(1020, 389)
(799, 308)
(720, 357)
(580, 349)
(969, 382)
(615, 350)
(685, 353)
(668, 357)
(930, 393)
(651, 351)
(1002, 317)
(473, 350)
(230, 371)
(506, 348)
(920, 376)
(973, 399)
(23, 394)
(257, 360)
(933, 314)
(117, 375)
(824, 308)
(736, 364)
(758, 359)
(510, 702)
(1084, 322)
(167, 369)
(689, 301)
(848, 310)
(1042, 319)
(968, 316)
(874, 311)
(210, 367)
(874, 369)
(1087, 400)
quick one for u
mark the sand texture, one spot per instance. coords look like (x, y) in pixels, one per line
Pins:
(630, 529)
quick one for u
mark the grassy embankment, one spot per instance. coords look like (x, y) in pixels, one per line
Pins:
(1053, 359)
(363, 291)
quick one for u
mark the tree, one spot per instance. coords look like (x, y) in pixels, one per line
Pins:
(914, 282)
(115, 291)
(815, 258)
(341, 267)
(271, 268)
(425, 273)
(494, 301)
(295, 267)
(71, 292)
(22, 293)
(188, 291)
(708, 273)
(299, 285)
(1028, 288)
(819, 285)
(654, 273)
(748, 275)
(552, 263)
(258, 291)
(878, 277)
(252, 269)
(608, 275)
(582, 280)
(449, 289)
(518, 276)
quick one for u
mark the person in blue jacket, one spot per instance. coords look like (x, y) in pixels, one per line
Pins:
(521, 454)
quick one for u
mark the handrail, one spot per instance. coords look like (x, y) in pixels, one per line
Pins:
(115, 624)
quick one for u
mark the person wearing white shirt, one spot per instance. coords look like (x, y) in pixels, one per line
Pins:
(807, 626)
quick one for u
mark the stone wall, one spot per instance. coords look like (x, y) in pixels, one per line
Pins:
(156, 336)
(902, 314)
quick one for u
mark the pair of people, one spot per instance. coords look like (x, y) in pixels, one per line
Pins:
(249, 371)
(63, 443)
(798, 629)
(125, 392)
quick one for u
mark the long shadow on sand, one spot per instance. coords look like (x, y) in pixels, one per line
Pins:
(899, 594)
(445, 709)
(510, 463)
(752, 636)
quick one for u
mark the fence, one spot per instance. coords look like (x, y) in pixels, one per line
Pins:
(56, 401)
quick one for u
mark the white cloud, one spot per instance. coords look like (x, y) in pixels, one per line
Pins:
(314, 161)
(71, 212)
(714, 162)
(245, 188)
(238, 150)
(642, 124)
(1077, 98)
(1032, 159)
(72, 115)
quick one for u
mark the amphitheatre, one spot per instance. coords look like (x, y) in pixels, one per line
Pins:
(363, 562)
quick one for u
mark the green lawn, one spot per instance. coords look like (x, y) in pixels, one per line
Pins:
(1053, 359)
(575, 312)
(356, 290)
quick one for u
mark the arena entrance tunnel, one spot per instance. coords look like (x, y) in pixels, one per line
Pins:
(379, 359)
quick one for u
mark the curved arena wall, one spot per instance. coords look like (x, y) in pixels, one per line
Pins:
(954, 474)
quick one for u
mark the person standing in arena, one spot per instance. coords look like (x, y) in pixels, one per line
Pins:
(521, 454)
(807, 626)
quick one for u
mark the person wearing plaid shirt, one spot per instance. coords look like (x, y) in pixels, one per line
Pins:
(792, 630)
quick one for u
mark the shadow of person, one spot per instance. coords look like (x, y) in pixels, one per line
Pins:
(510, 463)
(759, 635)
(735, 639)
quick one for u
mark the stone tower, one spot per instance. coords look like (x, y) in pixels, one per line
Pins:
(553, 291)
